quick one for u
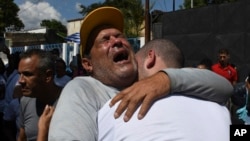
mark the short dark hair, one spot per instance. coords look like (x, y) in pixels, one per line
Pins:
(60, 60)
(55, 51)
(223, 51)
(46, 59)
(169, 52)
(207, 62)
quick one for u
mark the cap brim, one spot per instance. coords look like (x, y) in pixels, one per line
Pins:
(100, 16)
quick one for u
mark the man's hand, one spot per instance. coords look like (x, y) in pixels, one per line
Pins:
(143, 92)
(46, 116)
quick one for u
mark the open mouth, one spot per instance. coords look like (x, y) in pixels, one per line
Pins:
(121, 56)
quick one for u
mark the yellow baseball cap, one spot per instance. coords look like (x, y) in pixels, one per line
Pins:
(101, 16)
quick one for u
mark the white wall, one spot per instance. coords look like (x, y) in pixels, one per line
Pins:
(74, 26)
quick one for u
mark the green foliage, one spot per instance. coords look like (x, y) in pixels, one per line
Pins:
(55, 25)
(85, 10)
(8, 16)
(133, 11)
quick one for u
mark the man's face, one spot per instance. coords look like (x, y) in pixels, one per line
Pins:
(113, 59)
(30, 80)
(223, 59)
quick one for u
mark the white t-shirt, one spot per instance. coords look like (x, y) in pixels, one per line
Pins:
(173, 118)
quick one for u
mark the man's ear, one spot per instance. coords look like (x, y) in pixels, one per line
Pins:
(86, 63)
(49, 75)
(150, 59)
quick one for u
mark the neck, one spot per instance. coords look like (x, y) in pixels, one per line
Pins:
(51, 95)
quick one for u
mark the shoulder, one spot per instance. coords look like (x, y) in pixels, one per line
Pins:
(232, 69)
(66, 77)
(27, 105)
(87, 89)
(26, 100)
(83, 79)
(214, 66)
(82, 88)
(87, 83)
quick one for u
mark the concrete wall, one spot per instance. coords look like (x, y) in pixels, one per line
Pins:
(201, 32)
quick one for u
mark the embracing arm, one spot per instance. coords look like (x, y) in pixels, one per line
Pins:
(193, 82)
(200, 83)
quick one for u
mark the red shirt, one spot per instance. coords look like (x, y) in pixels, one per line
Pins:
(228, 72)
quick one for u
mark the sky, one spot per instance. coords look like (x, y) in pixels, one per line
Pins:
(32, 12)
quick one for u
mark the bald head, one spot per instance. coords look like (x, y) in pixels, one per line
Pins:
(158, 54)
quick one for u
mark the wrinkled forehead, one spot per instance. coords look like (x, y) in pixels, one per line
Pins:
(94, 33)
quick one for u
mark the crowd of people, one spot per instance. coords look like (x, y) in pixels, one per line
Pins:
(29, 82)
(114, 94)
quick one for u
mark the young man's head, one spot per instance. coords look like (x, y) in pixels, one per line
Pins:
(205, 63)
(223, 57)
(107, 55)
(156, 55)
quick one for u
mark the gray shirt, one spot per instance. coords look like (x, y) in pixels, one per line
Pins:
(30, 111)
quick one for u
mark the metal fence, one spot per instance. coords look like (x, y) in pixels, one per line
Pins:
(67, 50)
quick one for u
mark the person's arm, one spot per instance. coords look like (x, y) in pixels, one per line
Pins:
(44, 122)
(199, 83)
(144, 93)
(22, 135)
